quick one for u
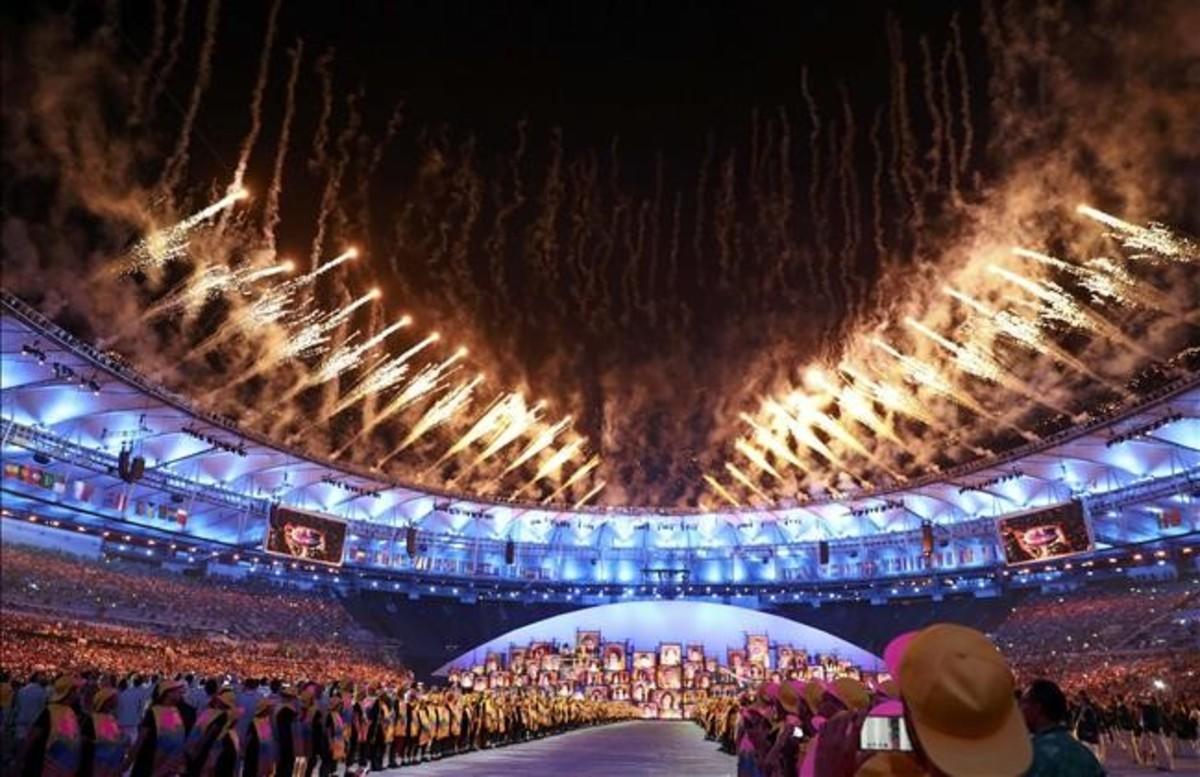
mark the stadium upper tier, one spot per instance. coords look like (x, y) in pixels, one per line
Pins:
(69, 412)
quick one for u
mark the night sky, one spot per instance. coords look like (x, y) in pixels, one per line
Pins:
(648, 213)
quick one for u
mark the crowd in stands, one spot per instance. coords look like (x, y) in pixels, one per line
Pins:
(114, 638)
(1119, 615)
(116, 591)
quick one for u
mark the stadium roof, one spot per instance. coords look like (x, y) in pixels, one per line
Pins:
(62, 396)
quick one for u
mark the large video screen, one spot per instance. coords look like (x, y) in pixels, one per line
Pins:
(305, 536)
(1047, 534)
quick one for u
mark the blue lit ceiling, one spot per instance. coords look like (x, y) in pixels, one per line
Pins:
(226, 476)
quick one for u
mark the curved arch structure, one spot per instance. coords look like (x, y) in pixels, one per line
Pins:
(63, 400)
(644, 624)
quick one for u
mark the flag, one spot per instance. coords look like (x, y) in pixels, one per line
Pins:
(82, 490)
(115, 499)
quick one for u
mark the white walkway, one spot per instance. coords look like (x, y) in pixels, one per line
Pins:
(650, 748)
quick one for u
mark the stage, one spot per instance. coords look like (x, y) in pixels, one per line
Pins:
(632, 749)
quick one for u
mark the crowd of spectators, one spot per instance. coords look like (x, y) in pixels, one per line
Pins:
(1124, 658)
(1118, 615)
(120, 591)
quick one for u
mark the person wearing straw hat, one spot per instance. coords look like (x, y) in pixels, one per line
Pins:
(213, 736)
(158, 751)
(105, 746)
(261, 753)
(960, 705)
(53, 744)
(333, 749)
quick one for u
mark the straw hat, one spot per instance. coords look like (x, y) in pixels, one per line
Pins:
(63, 688)
(958, 691)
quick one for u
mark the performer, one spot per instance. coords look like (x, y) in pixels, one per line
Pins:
(105, 746)
(261, 754)
(308, 731)
(287, 711)
(158, 751)
(213, 747)
(53, 745)
(335, 734)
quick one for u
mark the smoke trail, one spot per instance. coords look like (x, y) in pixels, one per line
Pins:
(177, 163)
(333, 180)
(271, 211)
(157, 40)
(322, 68)
(256, 97)
(850, 209)
(698, 241)
(877, 188)
(819, 226)
(934, 154)
(960, 60)
(164, 73)
(948, 123)
(495, 243)
(905, 139)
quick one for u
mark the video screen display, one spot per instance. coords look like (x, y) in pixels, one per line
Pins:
(305, 536)
(1043, 535)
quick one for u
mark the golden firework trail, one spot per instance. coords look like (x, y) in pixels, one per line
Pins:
(756, 457)
(345, 256)
(801, 432)
(163, 245)
(490, 419)
(383, 377)
(745, 480)
(1154, 238)
(856, 404)
(892, 397)
(804, 409)
(518, 420)
(430, 378)
(807, 412)
(968, 360)
(1101, 276)
(553, 464)
(1062, 307)
(767, 438)
(590, 495)
(276, 304)
(539, 443)
(576, 476)
(1108, 279)
(350, 356)
(972, 361)
(440, 412)
(720, 491)
(311, 337)
(210, 282)
(929, 376)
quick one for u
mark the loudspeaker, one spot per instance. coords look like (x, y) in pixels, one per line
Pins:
(927, 539)
(410, 540)
(137, 468)
(823, 552)
(41, 458)
(123, 464)
(510, 553)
